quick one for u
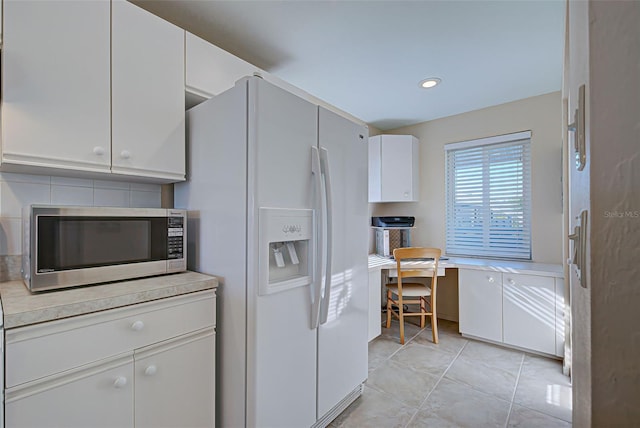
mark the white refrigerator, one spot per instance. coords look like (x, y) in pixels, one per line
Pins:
(277, 198)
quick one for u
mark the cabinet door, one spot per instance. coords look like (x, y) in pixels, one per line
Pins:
(399, 177)
(529, 304)
(56, 84)
(480, 303)
(211, 70)
(175, 382)
(98, 395)
(375, 303)
(147, 94)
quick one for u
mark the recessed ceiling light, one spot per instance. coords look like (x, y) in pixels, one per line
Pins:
(429, 83)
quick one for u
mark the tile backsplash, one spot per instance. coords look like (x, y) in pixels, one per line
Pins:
(19, 190)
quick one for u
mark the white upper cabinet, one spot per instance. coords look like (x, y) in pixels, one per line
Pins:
(393, 168)
(211, 70)
(147, 94)
(56, 85)
(92, 88)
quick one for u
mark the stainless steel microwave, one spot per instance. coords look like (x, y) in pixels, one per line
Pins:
(70, 246)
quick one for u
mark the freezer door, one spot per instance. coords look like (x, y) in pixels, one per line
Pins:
(342, 335)
(281, 343)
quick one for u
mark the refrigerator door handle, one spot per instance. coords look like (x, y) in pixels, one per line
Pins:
(316, 289)
(324, 165)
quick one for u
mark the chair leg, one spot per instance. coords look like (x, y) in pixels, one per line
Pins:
(434, 326)
(389, 309)
(423, 309)
(401, 319)
(434, 318)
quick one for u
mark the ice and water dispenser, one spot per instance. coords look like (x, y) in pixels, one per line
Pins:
(286, 251)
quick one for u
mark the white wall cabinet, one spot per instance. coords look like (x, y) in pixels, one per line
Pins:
(375, 303)
(147, 87)
(211, 70)
(92, 89)
(56, 85)
(526, 311)
(153, 364)
(393, 168)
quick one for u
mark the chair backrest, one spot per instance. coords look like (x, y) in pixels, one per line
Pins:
(402, 254)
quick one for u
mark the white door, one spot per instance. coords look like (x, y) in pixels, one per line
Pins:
(98, 395)
(342, 336)
(281, 344)
(578, 73)
(480, 303)
(397, 177)
(174, 382)
(56, 84)
(529, 312)
(147, 94)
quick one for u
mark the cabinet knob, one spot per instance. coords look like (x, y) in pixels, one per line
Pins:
(98, 151)
(125, 154)
(511, 281)
(491, 279)
(137, 326)
(406, 194)
(151, 370)
(120, 382)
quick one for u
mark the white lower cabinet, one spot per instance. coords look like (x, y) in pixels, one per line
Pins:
(99, 395)
(529, 312)
(150, 365)
(175, 381)
(480, 303)
(375, 303)
(526, 311)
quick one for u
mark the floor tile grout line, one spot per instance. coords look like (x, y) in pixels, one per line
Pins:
(515, 389)
(437, 383)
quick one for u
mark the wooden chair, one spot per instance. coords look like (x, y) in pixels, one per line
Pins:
(426, 294)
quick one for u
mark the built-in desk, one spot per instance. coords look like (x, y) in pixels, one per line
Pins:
(518, 304)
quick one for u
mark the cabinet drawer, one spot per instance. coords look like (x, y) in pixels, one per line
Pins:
(36, 351)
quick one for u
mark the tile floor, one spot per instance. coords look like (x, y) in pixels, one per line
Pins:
(457, 383)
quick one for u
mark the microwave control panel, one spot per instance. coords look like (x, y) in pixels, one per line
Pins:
(175, 238)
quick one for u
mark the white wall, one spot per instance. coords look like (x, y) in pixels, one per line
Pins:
(19, 190)
(542, 115)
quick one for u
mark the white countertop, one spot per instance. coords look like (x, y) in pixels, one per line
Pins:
(542, 269)
(22, 307)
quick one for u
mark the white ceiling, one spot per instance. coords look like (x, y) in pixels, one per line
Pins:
(367, 57)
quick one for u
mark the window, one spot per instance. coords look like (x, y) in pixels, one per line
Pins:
(489, 197)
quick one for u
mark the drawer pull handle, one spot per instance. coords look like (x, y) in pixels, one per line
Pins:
(137, 326)
(490, 279)
(120, 382)
(151, 370)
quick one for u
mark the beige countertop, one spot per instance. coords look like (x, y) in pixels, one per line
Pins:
(21, 307)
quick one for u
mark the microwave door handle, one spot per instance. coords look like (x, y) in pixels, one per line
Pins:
(324, 163)
(316, 288)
